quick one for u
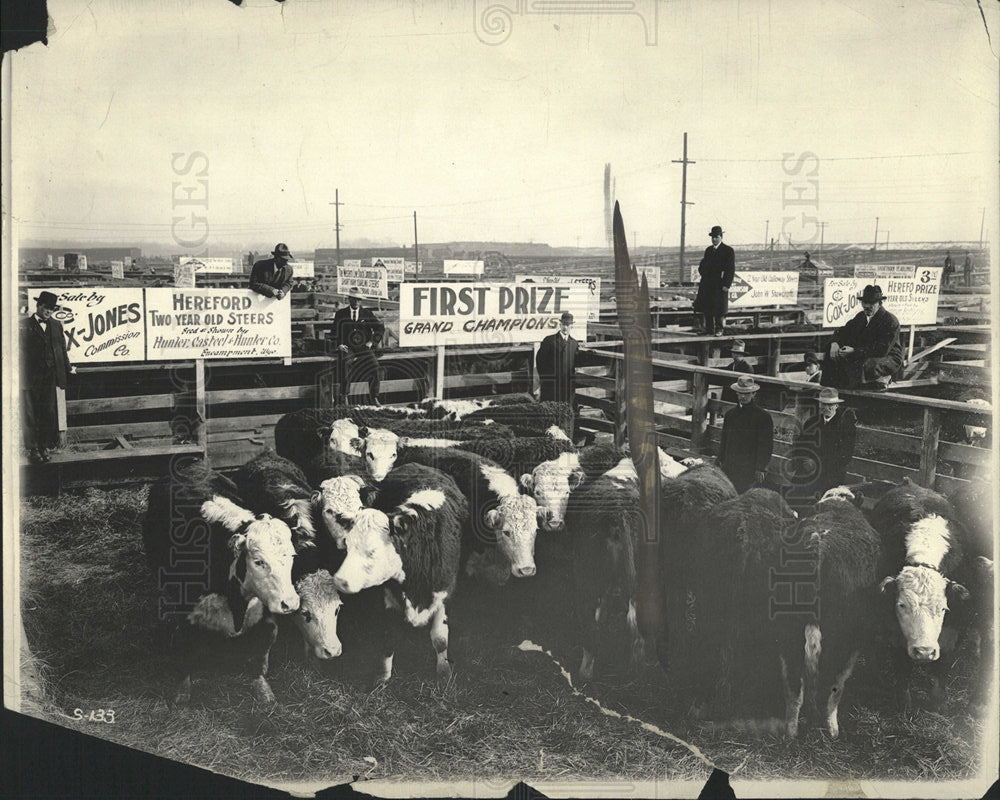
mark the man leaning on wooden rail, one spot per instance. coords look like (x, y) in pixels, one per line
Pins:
(866, 352)
(272, 277)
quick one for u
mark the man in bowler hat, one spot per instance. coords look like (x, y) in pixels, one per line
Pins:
(717, 270)
(866, 352)
(358, 332)
(44, 367)
(823, 450)
(747, 438)
(272, 277)
(556, 363)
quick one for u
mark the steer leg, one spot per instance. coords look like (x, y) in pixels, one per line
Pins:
(837, 693)
(792, 678)
(182, 647)
(388, 618)
(439, 639)
(259, 686)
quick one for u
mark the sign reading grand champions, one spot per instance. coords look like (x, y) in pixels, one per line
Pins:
(461, 313)
(216, 323)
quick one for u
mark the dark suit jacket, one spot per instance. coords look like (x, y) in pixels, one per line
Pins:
(827, 448)
(746, 444)
(356, 335)
(43, 354)
(878, 350)
(556, 364)
(266, 277)
(717, 270)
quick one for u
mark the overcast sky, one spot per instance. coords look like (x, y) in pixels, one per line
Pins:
(405, 107)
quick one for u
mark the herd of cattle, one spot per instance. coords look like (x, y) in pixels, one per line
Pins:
(408, 501)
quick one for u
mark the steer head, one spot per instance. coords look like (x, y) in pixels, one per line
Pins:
(262, 554)
(550, 484)
(379, 453)
(921, 594)
(340, 499)
(316, 618)
(515, 522)
(371, 558)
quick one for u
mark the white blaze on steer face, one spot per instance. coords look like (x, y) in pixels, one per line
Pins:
(550, 483)
(921, 599)
(344, 436)
(317, 615)
(669, 467)
(623, 472)
(262, 554)
(838, 493)
(557, 433)
(515, 521)
(371, 558)
(379, 452)
(340, 501)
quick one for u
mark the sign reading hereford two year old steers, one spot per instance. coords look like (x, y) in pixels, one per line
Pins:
(216, 323)
(434, 314)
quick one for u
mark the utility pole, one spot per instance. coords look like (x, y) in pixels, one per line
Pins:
(767, 232)
(822, 231)
(684, 202)
(981, 226)
(337, 204)
(887, 240)
(875, 246)
(416, 249)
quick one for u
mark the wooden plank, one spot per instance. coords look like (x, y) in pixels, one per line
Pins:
(103, 405)
(778, 417)
(913, 383)
(85, 433)
(963, 374)
(256, 395)
(878, 470)
(775, 357)
(620, 416)
(699, 411)
(948, 484)
(887, 440)
(929, 449)
(199, 400)
(122, 441)
(683, 399)
(121, 453)
(964, 454)
(484, 379)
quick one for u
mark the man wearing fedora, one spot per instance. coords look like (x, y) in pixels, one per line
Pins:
(358, 332)
(823, 450)
(44, 366)
(812, 367)
(717, 270)
(556, 363)
(747, 438)
(272, 277)
(866, 352)
(739, 349)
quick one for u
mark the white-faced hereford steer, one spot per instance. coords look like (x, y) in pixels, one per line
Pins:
(923, 553)
(504, 521)
(238, 568)
(411, 544)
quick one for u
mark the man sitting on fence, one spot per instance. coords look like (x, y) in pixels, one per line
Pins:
(358, 333)
(866, 352)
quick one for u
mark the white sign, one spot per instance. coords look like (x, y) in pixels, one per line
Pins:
(876, 271)
(60, 262)
(652, 275)
(102, 325)
(82, 263)
(216, 323)
(371, 281)
(184, 276)
(433, 314)
(303, 269)
(352, 263)
(393, 268)
(48, 260)
(912, 298)
(413, 269)
(117, 269)
(209, 265)
(752, 289)
(593, 289)
(460, 267)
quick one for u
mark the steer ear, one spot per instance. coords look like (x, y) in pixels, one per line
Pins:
(886, 582)
(492, 519)
(368, 494)
(576, 478)
(237, 574)
(317, 496)
(859, 497)
(958, 590)
(356, 442)
(527, 482)
(224, 511)
(404, 441)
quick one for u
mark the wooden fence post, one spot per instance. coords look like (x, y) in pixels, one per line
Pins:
(201, 415)
(621, 404)
(533, 379)
(774, 357)
(437, 385)
(699, 411)
(929, 450)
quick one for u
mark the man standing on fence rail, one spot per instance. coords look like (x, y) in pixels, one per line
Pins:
(747, 438)
(272, 277)
(717, 270)
(866, 352)
(358, 333)
(44, 366)
(556, 363)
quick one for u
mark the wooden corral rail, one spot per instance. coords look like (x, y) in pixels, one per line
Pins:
(691, 424)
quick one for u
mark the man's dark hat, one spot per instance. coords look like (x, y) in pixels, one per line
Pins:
(811, 358)
(567, 318)
(716, 230)
(48, 300)
(871, 294)
(281, 249)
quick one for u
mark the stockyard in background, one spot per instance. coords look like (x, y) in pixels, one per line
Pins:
(223, 563)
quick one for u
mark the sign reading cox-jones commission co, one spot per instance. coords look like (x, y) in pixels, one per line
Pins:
(102, 325)
(485, 313)
(216, 323)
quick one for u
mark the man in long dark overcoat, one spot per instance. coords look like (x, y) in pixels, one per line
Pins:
(866, 352)
(717, 270)
(556, 363)
(747, 438)
(358, 332)
(822, 452)
(44, 367)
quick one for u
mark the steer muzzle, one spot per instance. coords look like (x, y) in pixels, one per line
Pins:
(522, 572)
(924, 653)
(325, 653)
(286, 605)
